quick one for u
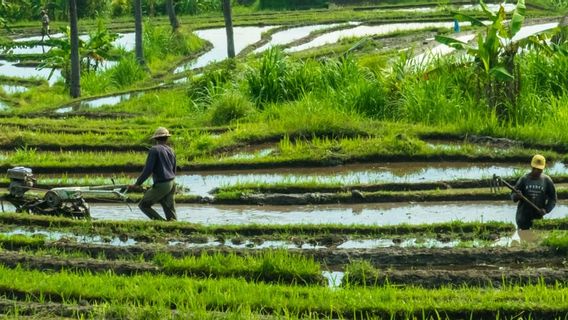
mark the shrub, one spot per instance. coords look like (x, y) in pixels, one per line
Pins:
(126, 72)
(229, 107)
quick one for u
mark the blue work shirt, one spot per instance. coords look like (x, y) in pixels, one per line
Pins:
(161, 164)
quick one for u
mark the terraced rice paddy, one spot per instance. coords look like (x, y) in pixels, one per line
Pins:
(338, 168)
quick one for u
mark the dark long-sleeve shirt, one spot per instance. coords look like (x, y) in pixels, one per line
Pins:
(161, 164)
(540, 191)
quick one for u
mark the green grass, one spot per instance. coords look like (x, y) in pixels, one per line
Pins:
(19, 241)
(558, 241)
(270, 266)
(162, 292)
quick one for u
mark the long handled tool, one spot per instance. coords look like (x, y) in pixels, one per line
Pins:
(496, 185)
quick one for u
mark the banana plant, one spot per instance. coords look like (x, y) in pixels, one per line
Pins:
(494, 52)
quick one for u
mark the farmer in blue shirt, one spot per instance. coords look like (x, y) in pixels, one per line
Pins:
(161, 164)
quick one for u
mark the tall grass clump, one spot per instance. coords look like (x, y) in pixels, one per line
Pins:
(276, 79)
(360, 273)
(230, 106)
(159, 42)
(440, 95)
(127, 72)
(558, 241)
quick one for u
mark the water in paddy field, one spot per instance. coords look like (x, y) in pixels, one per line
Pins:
(13, 89)
(379, 214)
(97, 103)
(11, 69)
(364, 30)
(244, 36)
(202, 183)
(292, 34)
(3, 106)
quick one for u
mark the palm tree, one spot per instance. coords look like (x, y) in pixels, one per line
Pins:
(138, 32)
(229, 28)
(170, 8)
(75, 61)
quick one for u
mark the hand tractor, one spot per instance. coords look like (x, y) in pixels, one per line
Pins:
(65, 201)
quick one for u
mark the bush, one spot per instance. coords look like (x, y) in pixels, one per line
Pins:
(229, 107)
(120, 7)
(126, 72)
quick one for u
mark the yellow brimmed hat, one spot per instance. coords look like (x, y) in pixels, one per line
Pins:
(161, 132)
(538, 162)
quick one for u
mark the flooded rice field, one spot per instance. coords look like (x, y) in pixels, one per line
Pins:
(509, 7)
(3, 106)
(440, 50)
(97, 103)
(244, 36)
(13, 89)
(12, 69)
(379, 214)
(365, 30)
(202, 183)
(289, 35)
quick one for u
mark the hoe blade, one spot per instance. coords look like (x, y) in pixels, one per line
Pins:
(495, 184)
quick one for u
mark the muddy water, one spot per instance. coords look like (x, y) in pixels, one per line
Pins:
(380, 214)
(292, 34)
(10, 69)
(97, 103)
(125, 41)
(428, 57)
(13, 89)
(244, 36)
(362, 31)
(202, 183)
(56, 236)
(509, 7)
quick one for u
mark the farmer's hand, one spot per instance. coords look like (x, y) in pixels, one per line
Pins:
(134, 187)
(517, 195)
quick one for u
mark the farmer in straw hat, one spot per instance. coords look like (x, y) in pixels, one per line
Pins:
(44, 24)
(161, 164)
(538, 188)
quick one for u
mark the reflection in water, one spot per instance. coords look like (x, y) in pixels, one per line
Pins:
(13, 89)
(97, 103)
(426, 58)
(380, 214)
(11, 69)
(3, 106)
(202, 183)
(362, 31)
(292, 34)
(244, 36)
(334, 278)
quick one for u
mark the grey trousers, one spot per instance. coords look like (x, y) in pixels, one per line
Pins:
(162, 193)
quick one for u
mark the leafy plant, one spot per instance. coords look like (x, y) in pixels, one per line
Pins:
(494, 53)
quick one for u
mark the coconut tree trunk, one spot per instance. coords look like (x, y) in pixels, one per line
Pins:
(138, 32)
(229, 27)
(75, 81)
(171, 9)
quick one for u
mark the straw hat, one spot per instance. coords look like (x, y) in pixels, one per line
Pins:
(161, 132)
